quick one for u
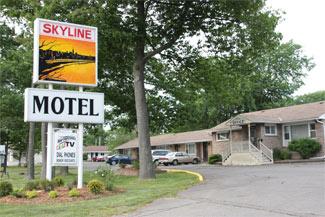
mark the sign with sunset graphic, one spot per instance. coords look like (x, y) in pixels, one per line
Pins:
(65, 53)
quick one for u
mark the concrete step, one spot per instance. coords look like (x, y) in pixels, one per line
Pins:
(241, 159)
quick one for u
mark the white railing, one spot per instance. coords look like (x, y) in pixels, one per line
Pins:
(239, 147)
(268, 153)
(255, 152)
(226, 152)
(247, 146)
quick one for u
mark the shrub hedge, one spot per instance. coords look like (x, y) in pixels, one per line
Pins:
(32, 185)
(136, 164)
(58, 181)
(281, 154)
(31, 194)
(47, 185)
(53, 194)
(306, 147)
(214, 158)
(19, 193)
(5, 188)
(74, 193)
(95, 186)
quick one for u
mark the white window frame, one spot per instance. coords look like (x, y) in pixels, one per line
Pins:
(226, 139)
(271, 134)
(310, 130)
(187, 148)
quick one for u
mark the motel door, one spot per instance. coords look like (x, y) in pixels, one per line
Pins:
(286, 135)
(205, 151)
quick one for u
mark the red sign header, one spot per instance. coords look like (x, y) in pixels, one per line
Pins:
(63, 30)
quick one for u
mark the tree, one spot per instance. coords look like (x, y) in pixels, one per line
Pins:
(117, 137)
(142, 43)
(218, 88)
(162, 27)
(15, 59)
(310, 97)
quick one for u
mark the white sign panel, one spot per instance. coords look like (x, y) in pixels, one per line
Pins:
(2, 149)
(42, 105)
(65, 147)
(65, 53)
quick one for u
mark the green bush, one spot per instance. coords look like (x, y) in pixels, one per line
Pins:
(32, 185)
(84, 157)
(285, 154)
(109, 186)
(95, 186)
(74, 193)
(19, 193)
(305, 147)
(214, 158)
(5, 188)
(281, 154)
(47, 185)
(107, 175)
(31, 194)
(58, 181)
(276, 154)
(53, 194)
(136, 164)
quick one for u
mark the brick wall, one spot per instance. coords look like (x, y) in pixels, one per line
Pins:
(210, 151)
(134, 154)
(320, 138)
(217, 147)
(271, 141)
(199, 150)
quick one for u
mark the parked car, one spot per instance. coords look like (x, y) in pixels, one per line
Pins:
(117, 159)
(175, 158)
(98, 159)
(157, 153)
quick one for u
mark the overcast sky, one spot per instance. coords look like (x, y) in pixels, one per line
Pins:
(304, 24)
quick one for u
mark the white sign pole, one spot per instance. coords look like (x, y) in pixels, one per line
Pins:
(49, 146)
(80, 150)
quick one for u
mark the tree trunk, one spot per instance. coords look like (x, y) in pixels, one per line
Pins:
(30, 156)
(19, 158)
(44, 151)
(146, 166)
(5, 162)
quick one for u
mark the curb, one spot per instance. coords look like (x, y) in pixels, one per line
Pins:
(298, 161)
(185, 171)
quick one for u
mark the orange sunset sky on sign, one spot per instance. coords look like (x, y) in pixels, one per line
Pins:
(67, 45)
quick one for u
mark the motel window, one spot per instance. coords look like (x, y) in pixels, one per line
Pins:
(312, 130)
(190, 148)
(223, 136)
(270, 130)
(162, 147)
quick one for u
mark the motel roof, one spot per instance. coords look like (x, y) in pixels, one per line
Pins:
(172, 138)
(290, 114)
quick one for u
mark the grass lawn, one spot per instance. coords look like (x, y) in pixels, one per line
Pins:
(137, 194)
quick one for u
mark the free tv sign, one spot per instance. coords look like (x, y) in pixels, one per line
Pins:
(65, 53)
(61, 106)
(65, 147)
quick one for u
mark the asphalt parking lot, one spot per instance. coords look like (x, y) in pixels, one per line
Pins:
(92, 166)
(278, 190)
